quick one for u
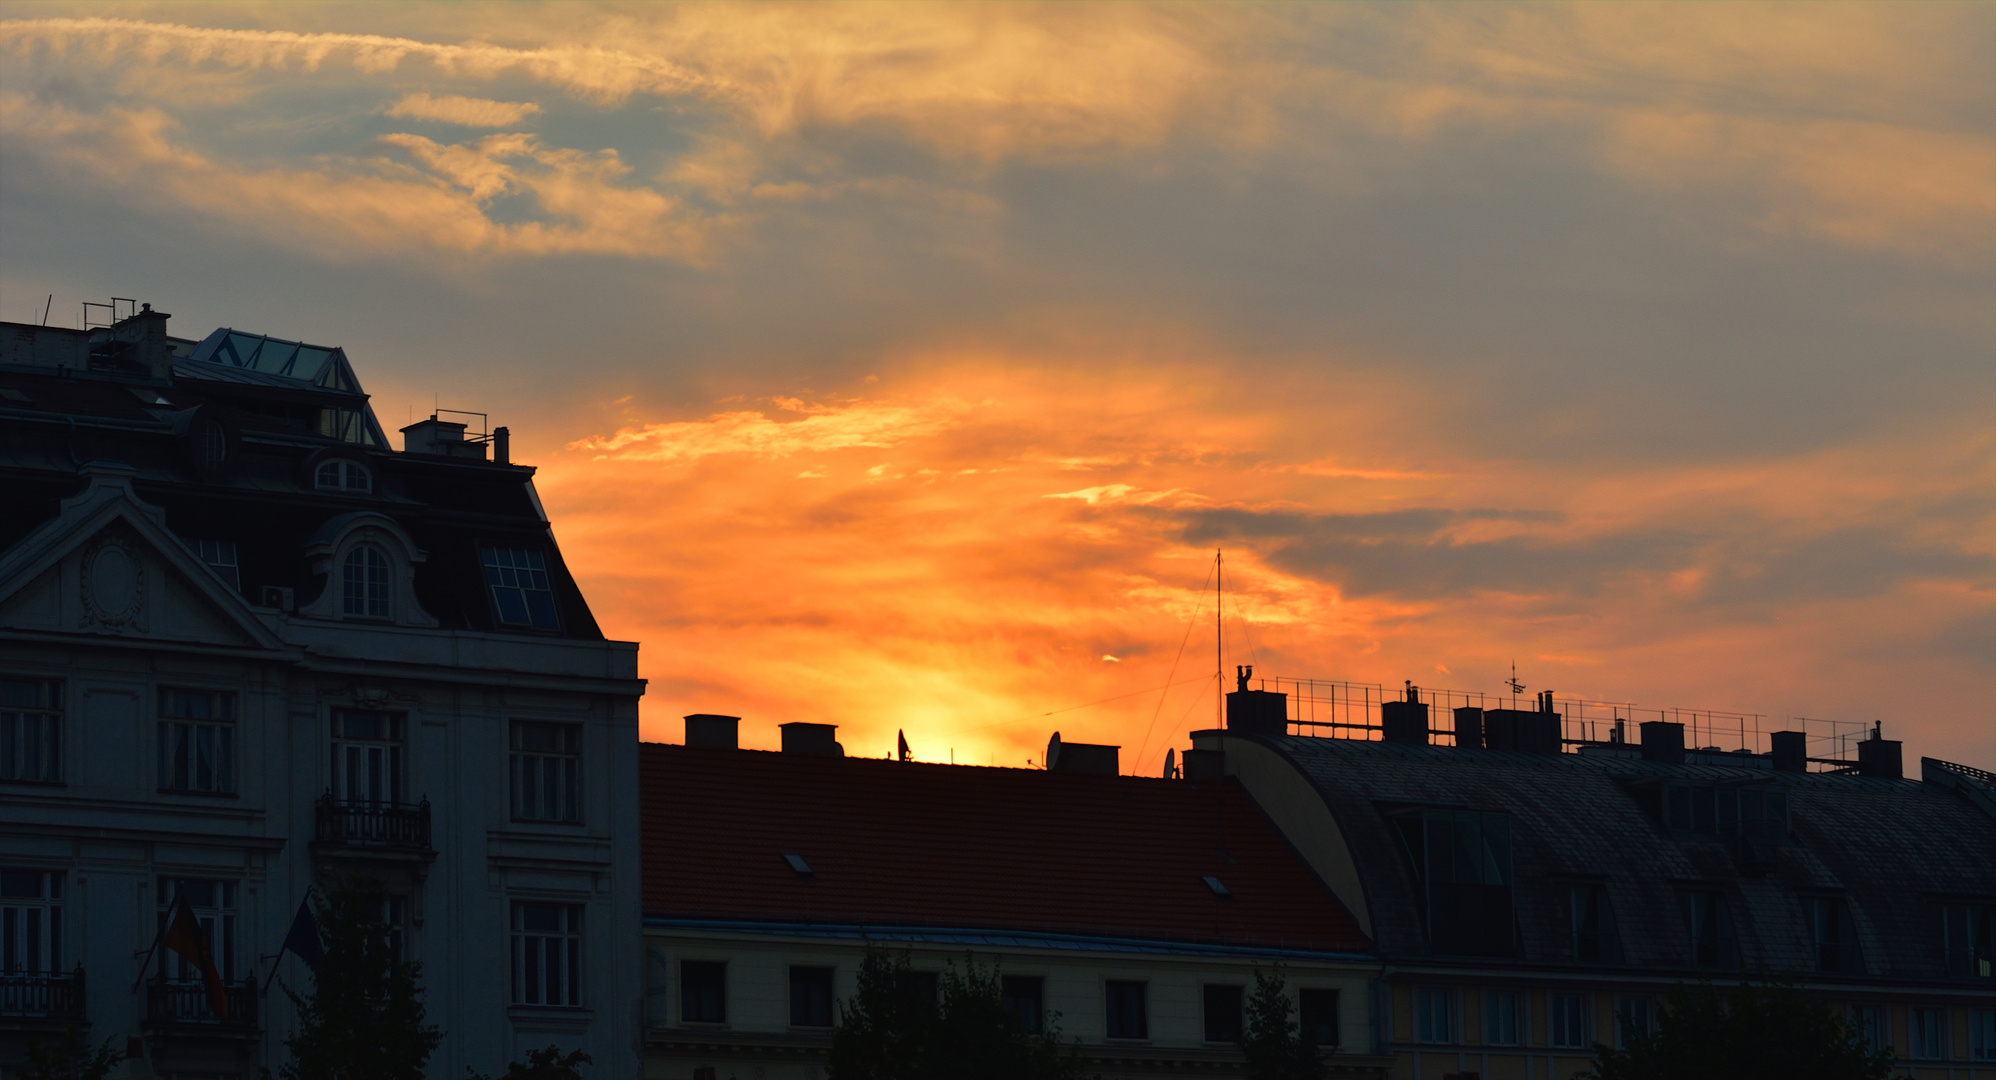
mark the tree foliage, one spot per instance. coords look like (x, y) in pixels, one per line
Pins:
(70, 1057)
(364, 1015)
(1755, 1032)
(548, 1064)
(1272, 1041)
(891, 1030)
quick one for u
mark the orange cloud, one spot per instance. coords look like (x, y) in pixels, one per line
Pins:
(465, 111)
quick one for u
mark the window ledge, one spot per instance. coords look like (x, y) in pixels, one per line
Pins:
(199, 794)
(34, 783)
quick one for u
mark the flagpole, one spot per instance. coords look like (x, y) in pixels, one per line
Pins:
(149, 955)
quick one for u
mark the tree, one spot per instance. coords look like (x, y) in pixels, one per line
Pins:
(548, 1064)
(1765, 1032)
(364, 1015)
(70, 1058)
(890, 1029)
(1274, 1046)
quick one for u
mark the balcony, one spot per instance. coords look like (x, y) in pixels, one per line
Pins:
(373, 826)
(53, 999)
(183, 1008)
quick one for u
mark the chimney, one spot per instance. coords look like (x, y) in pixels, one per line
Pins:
(440, 437)
(1791, 751)
(1255, 712)
(502, 446)
(1663, 742)
(1091, 759)
(1405, 721)
(1469, 727)
(1205, 766)
(146, 330)
(815, 740)
(1880, 756)
(716, 732)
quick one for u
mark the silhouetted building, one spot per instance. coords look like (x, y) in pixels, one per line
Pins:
(245, 647)
(1531, 900)
(1138, 910)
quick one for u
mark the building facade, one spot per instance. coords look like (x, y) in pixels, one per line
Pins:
(246, 649)
(1130, 914)
(1530, 900)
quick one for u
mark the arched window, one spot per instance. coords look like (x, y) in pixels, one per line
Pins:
(364, 579)
(214, 445)
(340, 474)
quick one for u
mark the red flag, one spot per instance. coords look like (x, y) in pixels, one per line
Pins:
(183, 935)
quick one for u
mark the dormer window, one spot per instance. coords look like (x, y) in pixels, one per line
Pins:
(1462, 863)
(364, 582)
(518, 579)
(1757, 810)
(339, 474)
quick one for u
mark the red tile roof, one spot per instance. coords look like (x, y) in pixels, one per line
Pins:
(905, 844)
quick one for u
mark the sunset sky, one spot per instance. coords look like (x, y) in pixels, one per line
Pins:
(902, 367)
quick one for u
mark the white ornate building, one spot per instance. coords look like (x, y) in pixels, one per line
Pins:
(245, 647)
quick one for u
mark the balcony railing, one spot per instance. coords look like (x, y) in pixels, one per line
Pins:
(186, 1004)
(54, 995)
(404, 826)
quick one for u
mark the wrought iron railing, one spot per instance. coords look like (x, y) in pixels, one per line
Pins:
(55, 995)
(175, 1003)
(373, 824)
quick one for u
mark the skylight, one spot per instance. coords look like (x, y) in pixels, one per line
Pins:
(1213, 883)
(798, 864)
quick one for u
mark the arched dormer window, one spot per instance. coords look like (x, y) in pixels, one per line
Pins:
(364, 582)
(339, 474)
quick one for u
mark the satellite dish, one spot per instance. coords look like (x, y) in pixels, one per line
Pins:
(1170, 763)
(1053, 751)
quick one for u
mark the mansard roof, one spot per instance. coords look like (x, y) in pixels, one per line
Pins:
(129, 395)
(1892, 849)
(906, 844)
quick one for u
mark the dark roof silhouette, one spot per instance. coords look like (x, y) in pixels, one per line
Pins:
(950, 846)
(1892, 848)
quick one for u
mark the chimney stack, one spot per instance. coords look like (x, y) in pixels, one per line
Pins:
(1255, 712)
(1469, 727)
(1880, 756)
(815, 740)
(717, 732)
(1790, 751)
(1405, 721)
(1092, 759)
(1663, 742)
(502, 446)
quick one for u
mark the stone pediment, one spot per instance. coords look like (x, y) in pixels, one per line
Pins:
(107, 566)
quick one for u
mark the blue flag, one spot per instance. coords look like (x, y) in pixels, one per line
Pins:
(303, 940)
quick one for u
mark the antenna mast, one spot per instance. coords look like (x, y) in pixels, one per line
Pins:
(1219, 637)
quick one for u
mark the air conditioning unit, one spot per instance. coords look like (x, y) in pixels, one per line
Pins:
(277, 597)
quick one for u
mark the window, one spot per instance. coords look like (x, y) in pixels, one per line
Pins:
(1965, 937)
(220, 555)
(30, 921)
(1502, 1020)
(1635, 1019)
(364, 582)
(1434, 1016)
(1128, 1018)
(1223, 1013)
(367, 757)
(31, 730)
(1566, 1021)
(212, 442)
(1874, 1026)
(1982, 1036)
(1710, 929)
(547, 954)
(547, 769)
(340, 474)
(1462, 859)
(1756, 811)
(214, 907)
(703, 992)
(811, 997)
(520, 591)
(1588, 923)
(395, 918)
(1835, 936)
(346, 425)
(197, 741)
(1023, 998)
(1923, 1030)
(1319, 1015)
